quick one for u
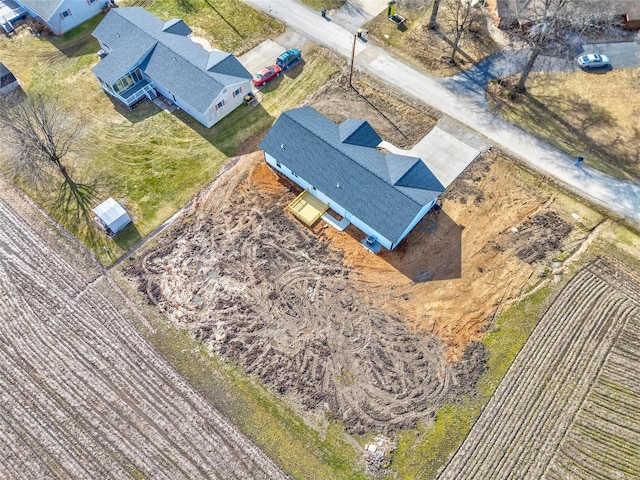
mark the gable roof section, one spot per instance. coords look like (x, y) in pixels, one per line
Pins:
(358, 132)
(385, 191)
(166, 55)
(177, 27)
(44, 8)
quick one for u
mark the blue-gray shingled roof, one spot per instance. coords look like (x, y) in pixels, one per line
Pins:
(385, 191)
(43, 8)
(172, 60)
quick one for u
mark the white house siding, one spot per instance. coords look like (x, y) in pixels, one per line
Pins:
(81, 11)
(340, 210)
(230, 102)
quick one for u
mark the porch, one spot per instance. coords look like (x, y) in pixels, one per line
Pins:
(132, 95)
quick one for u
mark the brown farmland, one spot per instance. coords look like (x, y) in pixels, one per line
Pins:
(82, 395)
(333, 328)
(569, 406)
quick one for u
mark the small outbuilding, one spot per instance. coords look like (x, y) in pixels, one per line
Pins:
(111, 216)
(8, 81)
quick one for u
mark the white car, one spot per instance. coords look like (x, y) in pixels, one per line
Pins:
(593, 60)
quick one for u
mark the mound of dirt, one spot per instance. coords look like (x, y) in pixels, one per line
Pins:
(263, 291)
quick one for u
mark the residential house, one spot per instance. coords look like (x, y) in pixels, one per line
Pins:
(8, 81)
(62, 15)
(383, 194)
(146, 56)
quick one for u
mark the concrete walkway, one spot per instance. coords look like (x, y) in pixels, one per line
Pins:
(464, 101)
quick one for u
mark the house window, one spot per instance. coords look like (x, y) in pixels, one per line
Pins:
(128, 81)
(65, 14)
(220, 105)
(237, 92)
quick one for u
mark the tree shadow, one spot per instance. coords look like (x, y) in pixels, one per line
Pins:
(460, 51)
(75, 42)
(572, 122)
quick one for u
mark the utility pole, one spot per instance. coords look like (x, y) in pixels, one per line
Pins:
(353, 56)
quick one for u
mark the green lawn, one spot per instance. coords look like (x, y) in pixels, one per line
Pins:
(151, 161)
(229, 25)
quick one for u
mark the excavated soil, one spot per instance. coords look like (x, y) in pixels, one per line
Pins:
(262, 291)
(344, 333)
(464, 262)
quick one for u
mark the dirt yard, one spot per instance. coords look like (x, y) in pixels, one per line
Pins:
(339, 331)
(378, 342)
(491, 239)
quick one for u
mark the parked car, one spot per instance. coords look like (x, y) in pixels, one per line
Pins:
(288, 59)
(593, 60)
(265, 75)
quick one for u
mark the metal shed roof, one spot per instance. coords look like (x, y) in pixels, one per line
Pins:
(112, 215)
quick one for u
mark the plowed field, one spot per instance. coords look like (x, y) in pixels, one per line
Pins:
(569, 406)
(82, 395)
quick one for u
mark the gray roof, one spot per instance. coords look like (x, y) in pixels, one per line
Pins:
(165, 53)
(385, 191)
(6, 77)
(43, 8)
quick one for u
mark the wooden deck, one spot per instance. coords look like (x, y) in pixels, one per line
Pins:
(307, 208)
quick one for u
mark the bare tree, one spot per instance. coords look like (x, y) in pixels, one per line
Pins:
(545, 24)
(461, 18)
(541, 23)
(433, 21)
(38, 135)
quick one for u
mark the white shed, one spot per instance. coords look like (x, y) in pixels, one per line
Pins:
(112, 216)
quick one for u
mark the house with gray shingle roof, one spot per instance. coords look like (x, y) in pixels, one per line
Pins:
(146, 56)
(383, 194)
(62, 15)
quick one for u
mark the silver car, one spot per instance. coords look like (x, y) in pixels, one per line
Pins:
(593, 60)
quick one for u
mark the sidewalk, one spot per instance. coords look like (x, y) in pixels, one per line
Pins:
(463, 103)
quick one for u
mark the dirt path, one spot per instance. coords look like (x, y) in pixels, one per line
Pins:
(81, 393)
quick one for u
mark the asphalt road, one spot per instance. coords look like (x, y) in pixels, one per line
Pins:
(463, 99)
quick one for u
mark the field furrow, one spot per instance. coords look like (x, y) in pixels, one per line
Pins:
(545, 398)
(81, 393)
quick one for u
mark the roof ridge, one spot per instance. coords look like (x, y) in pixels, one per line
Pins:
(345, 153)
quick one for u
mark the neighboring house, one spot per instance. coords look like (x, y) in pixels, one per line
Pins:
(383, 194)
(62, 15)
(145, 56)
(8, 81)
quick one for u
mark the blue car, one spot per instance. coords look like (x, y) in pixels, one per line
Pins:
(288, 59)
